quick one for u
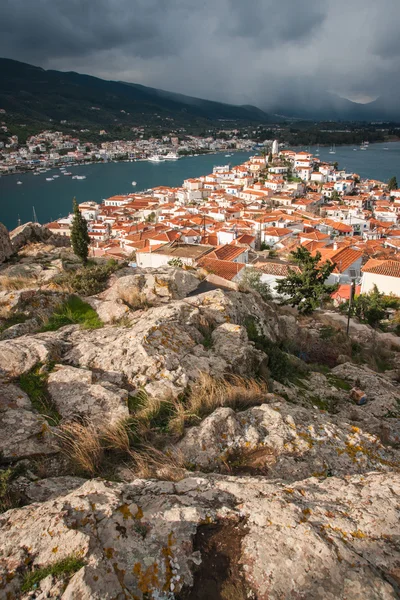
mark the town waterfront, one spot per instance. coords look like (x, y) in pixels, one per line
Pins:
(52, 199)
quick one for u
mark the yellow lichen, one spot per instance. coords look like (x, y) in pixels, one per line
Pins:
(124, 510)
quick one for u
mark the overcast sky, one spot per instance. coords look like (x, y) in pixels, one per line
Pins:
(239, 51)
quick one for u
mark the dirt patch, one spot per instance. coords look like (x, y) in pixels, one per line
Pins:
(219, 576)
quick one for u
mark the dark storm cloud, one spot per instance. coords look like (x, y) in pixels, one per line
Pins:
(267, 23)
(253, 51)
(68, 28)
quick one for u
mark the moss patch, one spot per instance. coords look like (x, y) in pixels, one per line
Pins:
(34, 384)
(60, 569)
(73, 311)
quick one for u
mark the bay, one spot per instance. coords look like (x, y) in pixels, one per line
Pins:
(373, 163)
(53, 199)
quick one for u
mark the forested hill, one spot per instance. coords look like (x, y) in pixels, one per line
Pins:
(40, 95)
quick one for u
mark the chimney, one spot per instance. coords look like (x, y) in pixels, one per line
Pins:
(335, 246)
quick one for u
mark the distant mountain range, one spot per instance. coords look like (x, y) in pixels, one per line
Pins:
(40, 95)
(322, 106)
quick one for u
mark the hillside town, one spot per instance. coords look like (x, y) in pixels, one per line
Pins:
(256, 214)
(50, 149)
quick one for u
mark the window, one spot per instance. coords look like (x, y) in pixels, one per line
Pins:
(353, 273)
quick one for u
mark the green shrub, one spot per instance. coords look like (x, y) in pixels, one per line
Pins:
(87, 281)
(73, 312)
(250, 279)
(279, 364)
(60, 569)
(34, 384)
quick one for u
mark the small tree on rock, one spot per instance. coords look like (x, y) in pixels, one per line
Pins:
(305, 287)
(80, 239)
(251, 280)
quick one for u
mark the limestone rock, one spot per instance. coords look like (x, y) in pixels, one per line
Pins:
(33, 232)
(109, 311)
(286, 441)
(158, 286)
(43, 490)
(23, 432)
(383, 396)
(164, 348)
(321, 540)
(6, 249)
(22, 354)
(75, 394)
(230, 342)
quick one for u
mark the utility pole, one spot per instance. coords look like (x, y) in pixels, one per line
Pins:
(352, 289)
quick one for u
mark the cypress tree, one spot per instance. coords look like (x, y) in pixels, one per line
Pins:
(80, 239)
(392, 184)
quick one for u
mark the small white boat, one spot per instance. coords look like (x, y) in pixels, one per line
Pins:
(55, 176)
(156, 158)
(386, 148)
(134, 183)
(49, 179)
(354, 149)
(332, 150)
(66, 173)
(19, 182)
(171, 156)
(79, 177)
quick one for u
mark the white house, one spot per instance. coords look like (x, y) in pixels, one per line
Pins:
(385, 274)
(347, 264)
(273, 272)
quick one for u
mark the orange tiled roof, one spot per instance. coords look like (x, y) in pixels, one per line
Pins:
(279, 269)
(223, 268)
(390, 268)
(343, 258)
(226, 252)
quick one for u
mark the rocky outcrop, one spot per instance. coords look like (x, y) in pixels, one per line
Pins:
(32, 233)
(284, 441)
(76, 395)
(23, 432)
(320, 540)
(31, 306)
(165, 347)
(22, 354)
(6, 249)
(156, 286)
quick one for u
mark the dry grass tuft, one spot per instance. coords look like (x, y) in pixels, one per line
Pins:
(150, 463)
(134, 299)
(144, 439)
(208, 394)
(17, 283)
(249, 461)
(81, 444)
(116, 436)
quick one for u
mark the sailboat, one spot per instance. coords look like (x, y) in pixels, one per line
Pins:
(332, 150)
(317, 151)
(363, 146)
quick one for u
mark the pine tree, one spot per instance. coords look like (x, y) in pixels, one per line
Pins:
(80, 239)
(306, 288)
(392, 184)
